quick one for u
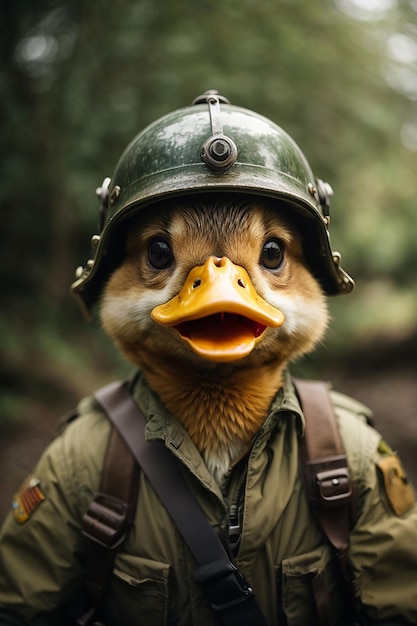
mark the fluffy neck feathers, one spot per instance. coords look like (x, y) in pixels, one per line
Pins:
(221, 413)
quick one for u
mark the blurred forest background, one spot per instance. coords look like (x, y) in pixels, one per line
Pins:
(79, 79)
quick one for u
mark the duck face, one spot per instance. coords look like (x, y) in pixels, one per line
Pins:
(214, 279)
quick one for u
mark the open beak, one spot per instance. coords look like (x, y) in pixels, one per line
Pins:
(218, 311)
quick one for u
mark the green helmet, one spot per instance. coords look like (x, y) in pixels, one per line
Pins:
(212, 146)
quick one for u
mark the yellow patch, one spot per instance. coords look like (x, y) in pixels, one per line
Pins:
(27, 500)
(384, 448)
(397, 486)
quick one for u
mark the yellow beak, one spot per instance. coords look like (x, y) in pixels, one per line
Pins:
(218, 311)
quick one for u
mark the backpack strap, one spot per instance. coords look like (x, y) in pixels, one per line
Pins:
(328, 485)
(228, 592)
(106, 523)
(108, 520)
(325, 469)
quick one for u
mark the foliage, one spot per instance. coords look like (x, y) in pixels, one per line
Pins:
(80, 79)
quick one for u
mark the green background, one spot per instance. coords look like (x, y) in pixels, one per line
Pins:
(79, 79)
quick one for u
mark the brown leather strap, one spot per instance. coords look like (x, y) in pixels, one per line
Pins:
(108, 519)
(322, 435)
(327, 481)
(325, 468)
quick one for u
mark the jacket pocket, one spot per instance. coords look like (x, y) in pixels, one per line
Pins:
(311, 589)
(139, 593)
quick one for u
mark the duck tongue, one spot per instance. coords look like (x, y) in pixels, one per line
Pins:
(221, 337)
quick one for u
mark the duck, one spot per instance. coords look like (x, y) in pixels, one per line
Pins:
(212, 300)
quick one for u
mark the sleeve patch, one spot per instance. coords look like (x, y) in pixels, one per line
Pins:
(384, 448)
(397, 485)
(27, 500)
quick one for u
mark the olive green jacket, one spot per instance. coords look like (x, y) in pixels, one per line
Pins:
(282, 553)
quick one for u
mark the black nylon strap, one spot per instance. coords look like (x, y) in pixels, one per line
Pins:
(228, 592)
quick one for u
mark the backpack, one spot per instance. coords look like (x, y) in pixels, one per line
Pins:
(108, 519)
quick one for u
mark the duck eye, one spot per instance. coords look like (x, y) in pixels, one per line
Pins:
(272, 255)
(160, 254)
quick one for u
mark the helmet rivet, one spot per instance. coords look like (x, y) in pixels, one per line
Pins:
(312, 190)
(219, 152)
(95, 239)
(114, 194)
(79, 271)
(90, 263)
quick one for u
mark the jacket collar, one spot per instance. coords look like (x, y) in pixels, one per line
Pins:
(284, 409)
(162, 425)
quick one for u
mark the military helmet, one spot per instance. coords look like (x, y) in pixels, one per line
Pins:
(212, 146)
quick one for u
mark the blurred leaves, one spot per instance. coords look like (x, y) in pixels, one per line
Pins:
(79, 79)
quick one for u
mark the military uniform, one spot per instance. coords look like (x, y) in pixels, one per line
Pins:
(282, 552)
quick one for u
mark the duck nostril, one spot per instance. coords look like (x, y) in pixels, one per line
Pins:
(219, 261)
(197, 283)
(241, 283)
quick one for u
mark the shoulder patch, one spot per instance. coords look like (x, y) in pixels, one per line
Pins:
(397, 485)
(385, 448)
(27, 500)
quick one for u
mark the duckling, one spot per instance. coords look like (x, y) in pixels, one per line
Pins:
(212, 300)
(210, 267)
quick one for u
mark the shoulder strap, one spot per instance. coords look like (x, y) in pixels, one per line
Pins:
(228, 592)
(328, 487)
(326, 477)
(325, 468)
(108, 520)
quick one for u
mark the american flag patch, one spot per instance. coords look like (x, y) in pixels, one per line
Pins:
(27, 500)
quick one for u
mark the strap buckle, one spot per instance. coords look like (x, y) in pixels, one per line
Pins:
(333, 486)
(224, 585)
(328, 481)
(104, 521)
